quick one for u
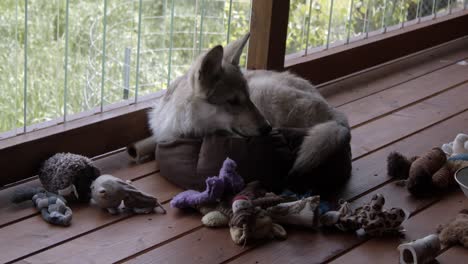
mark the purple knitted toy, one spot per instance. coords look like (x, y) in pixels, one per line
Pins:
(228, 183)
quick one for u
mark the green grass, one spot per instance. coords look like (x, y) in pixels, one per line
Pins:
(46, 46)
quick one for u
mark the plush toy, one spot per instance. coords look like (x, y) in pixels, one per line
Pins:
(53, 207)
(108, 192)
(258, 226)
(303, 212)
(455, 232)
(69, 175)
(426, 173)
(420, 251)
(249, 220)
(226, 184)
(458, 146)
(369, 219)
(219, 214)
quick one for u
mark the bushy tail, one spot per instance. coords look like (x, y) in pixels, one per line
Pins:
(322, 141)
(24, 194)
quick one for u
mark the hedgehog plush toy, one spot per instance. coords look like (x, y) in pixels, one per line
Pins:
(69, 175)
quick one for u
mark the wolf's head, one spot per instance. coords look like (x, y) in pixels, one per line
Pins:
(221, 99)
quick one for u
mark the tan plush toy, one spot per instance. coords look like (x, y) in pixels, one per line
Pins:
(108, 192)
(260, 227)
(303, 212)
(455, 232)
(370, 219)
(432, 171)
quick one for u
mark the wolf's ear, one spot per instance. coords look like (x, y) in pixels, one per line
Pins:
(211, 64)
(233, 50)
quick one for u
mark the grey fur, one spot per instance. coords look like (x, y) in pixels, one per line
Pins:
(215, 95)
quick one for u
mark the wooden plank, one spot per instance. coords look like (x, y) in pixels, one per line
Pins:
(408, 121)
(118, 164)
(328, 65)
(89, 136)
(205, 245)
(36, 235)
(121, 239)
(455, 254)
(368, 173)
(324, 245)
(424, 223)
(391, 100)
(268, 29)
(392, 74)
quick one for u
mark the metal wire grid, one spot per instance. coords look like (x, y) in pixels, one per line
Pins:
(127, 52)
(328, 23)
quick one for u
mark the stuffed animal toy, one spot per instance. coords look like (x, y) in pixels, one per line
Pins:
(249, 220)
(258, 226)
(108, 192)
(458, 146)
(53, 207)
(219, 215)
(423, 175)
(228, 183)
(303, 212)
(455, 232)
(69, 175)
(369, 219)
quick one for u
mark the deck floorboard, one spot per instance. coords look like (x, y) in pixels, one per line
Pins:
(409, 106)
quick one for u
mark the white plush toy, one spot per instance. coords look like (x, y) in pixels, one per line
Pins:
(457, 146)
(108, 192)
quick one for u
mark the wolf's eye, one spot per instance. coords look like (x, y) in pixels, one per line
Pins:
(234, 101)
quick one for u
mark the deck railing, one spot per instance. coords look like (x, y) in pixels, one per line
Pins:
(65, 59)
(62, 59)
(324, 24)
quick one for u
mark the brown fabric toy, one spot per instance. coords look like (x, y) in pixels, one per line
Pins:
(432, 171)
(455, 232)
(302, 212)
(369, 219)
(249, 220)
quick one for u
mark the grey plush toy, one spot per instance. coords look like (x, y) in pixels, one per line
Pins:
(53, 207)
(108, 192)
(69, 175)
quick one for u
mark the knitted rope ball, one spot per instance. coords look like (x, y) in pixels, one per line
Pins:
(69, 175)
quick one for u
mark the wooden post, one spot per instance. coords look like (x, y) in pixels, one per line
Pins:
(268, 30)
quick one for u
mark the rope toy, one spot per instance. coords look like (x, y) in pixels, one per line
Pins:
(53, 207)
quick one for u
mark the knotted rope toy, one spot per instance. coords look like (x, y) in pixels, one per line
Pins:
(53, 207)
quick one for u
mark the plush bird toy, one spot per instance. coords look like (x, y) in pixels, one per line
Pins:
(108, 192)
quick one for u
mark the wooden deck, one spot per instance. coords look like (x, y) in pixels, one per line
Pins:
(411, 106)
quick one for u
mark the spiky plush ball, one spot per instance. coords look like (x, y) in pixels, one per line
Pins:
(69, 175)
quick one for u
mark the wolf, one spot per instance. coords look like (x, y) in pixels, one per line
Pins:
(217, 95)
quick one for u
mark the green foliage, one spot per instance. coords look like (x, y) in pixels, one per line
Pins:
(170, 40)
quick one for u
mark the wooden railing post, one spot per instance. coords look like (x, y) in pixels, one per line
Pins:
(268, 29)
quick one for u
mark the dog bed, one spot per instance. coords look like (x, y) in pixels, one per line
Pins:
(187, 162)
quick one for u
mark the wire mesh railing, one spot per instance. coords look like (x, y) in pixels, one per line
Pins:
(317, 25)
(62, 58)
